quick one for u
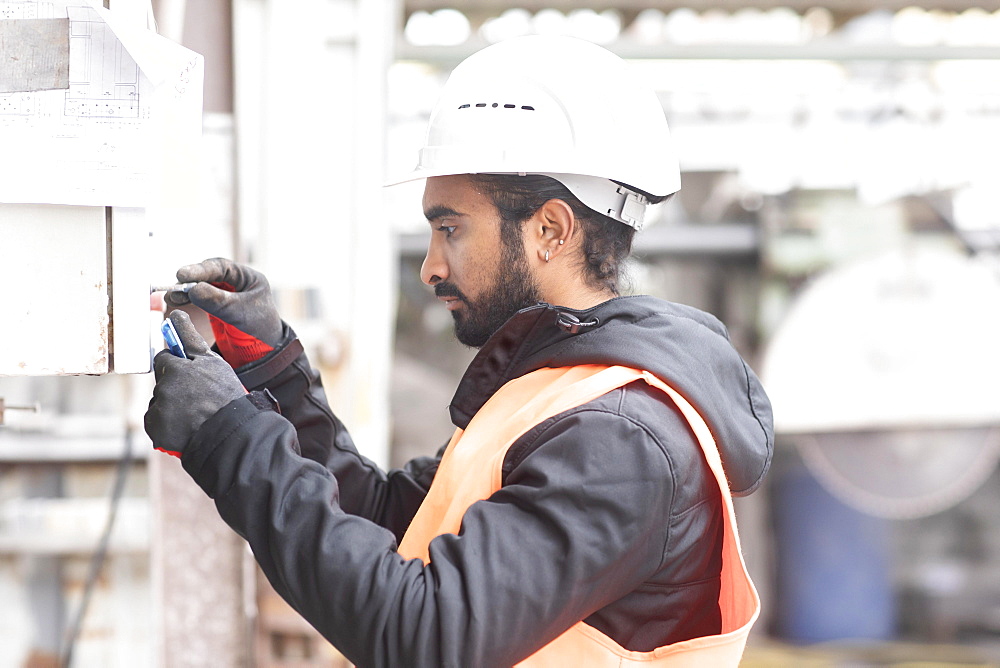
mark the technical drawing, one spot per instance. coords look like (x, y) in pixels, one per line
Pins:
(98, 142)
(17, 104)
(24, 9)
(104, 79)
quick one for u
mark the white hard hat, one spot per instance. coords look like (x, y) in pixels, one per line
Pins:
(557, 106)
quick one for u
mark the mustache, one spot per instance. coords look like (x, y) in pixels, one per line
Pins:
(448, 290)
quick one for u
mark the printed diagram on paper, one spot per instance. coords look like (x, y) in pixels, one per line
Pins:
(88, 144)
(104, 80)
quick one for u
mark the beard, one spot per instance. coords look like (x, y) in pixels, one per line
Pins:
(513, 289)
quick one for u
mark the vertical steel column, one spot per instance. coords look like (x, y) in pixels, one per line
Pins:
(44, 575)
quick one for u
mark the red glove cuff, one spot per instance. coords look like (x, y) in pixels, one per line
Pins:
(236, 346)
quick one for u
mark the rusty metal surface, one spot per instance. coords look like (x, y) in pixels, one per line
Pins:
(57, 323)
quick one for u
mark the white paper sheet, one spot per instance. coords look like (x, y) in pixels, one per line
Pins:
(126, 130)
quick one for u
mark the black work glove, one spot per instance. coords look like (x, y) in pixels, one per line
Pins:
(239, 304)
(188, 390)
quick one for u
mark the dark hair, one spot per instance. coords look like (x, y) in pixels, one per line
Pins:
(606, 242)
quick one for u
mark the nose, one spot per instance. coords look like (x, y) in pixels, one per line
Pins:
(434, 269)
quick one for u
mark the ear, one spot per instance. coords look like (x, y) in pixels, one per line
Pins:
(551, 229)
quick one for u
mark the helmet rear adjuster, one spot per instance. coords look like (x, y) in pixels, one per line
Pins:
(633, 208)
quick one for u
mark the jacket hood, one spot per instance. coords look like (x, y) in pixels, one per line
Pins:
(687, 348)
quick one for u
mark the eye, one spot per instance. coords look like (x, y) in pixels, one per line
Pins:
(447, 229)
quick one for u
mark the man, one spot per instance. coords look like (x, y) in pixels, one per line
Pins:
(580, 514)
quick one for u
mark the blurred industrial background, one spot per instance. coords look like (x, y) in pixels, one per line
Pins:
(840, 213)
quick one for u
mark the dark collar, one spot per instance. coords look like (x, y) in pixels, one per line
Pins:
(515, 349)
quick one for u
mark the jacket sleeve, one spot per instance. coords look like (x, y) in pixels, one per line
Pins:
(388, 499)
(573, 529)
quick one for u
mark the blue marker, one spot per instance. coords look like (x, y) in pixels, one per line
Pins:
(171, 337)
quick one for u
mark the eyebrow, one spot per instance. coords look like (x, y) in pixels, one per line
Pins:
(436, 212)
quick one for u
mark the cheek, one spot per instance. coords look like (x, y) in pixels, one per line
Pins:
(472, 270)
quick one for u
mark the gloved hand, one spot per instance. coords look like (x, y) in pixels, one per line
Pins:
(239, 304)
(188, 390)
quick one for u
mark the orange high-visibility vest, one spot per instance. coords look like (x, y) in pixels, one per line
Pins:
(471, 469)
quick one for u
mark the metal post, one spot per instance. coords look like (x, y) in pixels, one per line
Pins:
(197, 575)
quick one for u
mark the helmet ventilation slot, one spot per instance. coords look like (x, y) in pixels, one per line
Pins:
(480, 105)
